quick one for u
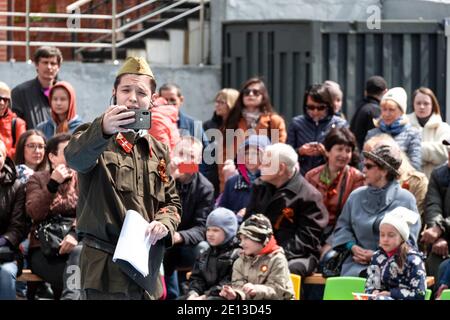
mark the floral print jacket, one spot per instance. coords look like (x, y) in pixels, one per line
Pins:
(408, 283)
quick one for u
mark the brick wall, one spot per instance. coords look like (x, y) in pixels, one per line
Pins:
(59, 6)
(3, 22)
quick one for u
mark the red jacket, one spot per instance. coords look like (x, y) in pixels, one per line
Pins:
(6, 131)
(330, 194)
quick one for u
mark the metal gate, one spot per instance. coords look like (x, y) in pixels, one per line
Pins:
(290, 55)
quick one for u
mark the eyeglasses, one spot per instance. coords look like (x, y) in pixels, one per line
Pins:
(5, 99)
(369, 165)
(35, 146)
(321, 107)
(255, 92)
(221, 102)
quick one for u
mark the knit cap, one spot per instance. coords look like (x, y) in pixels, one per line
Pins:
(224, 219)
(400, 218)
(257, 228)
(258, 141)
(398, 95)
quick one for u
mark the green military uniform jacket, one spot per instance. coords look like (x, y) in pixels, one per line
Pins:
(112, 181)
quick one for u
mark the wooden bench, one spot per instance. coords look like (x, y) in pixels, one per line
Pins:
(317, 278)
(28, 276)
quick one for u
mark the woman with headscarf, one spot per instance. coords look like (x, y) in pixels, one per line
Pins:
(357, 228)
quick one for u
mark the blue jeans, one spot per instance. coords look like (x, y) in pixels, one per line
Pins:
(8, 273)
(444, 273)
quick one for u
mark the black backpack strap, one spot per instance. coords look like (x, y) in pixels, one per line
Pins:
(13, 130)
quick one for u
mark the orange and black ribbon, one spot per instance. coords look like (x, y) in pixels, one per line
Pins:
(162, 171)
(286, 213)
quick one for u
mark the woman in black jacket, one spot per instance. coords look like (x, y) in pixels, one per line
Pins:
(12, 223)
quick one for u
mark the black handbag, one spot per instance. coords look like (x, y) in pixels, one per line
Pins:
(51, 232)
(333, 261)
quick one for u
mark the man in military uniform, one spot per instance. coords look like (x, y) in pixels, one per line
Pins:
(119, 170)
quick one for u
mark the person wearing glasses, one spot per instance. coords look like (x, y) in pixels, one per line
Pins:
(50, 193)
(252, 114)
(30, 154)
(224, 102)
(11, 126)
(307, 132)
(357, 228)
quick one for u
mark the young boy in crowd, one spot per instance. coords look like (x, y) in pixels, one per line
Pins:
(236, 195)
(214, 266)
(261, 272)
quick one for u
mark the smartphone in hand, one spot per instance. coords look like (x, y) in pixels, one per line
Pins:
(142, 120)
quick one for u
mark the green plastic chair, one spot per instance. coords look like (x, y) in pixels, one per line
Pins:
(445, 295)
(341, 288)
(428, 294)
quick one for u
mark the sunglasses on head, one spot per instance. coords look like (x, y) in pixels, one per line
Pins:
(321, 107)
(255, 92)
(6, 99)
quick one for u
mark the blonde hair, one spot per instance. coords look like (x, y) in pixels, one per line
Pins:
(4, 86)
(229, 95)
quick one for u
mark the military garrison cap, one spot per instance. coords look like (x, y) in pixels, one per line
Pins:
(136, 65)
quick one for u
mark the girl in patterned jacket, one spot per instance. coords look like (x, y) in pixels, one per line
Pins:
(397, 270)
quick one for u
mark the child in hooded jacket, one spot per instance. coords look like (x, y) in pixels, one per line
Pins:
(64, 117)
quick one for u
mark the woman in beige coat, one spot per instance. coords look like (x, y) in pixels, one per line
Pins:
(427, 118)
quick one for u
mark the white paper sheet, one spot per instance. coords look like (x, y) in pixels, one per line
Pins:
(133, 246)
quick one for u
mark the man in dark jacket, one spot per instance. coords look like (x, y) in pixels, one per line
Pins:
(436, 233)
(30, 99)
(369, 109)
(13, 226)
(119, 170)
(294, 207)
(197, 201)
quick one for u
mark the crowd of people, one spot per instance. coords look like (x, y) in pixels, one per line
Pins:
(240, 202)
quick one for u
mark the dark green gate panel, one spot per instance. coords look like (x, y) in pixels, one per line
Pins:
(293, 54)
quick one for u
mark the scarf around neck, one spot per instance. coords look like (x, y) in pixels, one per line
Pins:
(394, 128)
(251, 117)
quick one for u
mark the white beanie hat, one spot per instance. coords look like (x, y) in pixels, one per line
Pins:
(398, 95)
(400, 218)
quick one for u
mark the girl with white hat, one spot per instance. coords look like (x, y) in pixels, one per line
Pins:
(397, 270)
